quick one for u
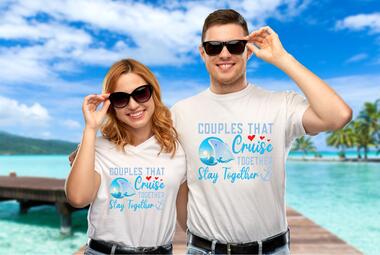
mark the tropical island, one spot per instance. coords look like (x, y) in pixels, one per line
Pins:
(11, 144)
(362, 134)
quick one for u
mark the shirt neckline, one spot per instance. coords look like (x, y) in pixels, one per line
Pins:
(148, 142)
(230, 96)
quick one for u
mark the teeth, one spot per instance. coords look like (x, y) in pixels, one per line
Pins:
(136, 114)
(225, 66)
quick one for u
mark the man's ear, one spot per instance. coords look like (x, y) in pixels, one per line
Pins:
(202, 52)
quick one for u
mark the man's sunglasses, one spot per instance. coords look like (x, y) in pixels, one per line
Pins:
(213, 48)
(141, 95)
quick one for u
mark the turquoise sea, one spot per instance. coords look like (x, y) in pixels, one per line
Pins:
(342, 197)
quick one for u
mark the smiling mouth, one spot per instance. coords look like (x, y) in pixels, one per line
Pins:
(225, 66)
(136, 115)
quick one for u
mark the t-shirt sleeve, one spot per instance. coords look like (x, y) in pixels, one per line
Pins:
(173, 114)
(99, 165)
(296, 106)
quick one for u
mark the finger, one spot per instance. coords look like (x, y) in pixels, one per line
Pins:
(105, 95)
(258, 39)
(90, 103)
(270, 30)
(253, 48)
(260, 45)
(105, 106)
(251, 36)
(96, 100)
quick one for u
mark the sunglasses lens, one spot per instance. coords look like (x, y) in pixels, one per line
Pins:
(236, 47)
(142, 94)
(213, 48)
(119, 99)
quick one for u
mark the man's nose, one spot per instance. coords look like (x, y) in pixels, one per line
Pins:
(225, 53)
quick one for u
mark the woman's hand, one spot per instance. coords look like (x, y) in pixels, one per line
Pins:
(92, 116)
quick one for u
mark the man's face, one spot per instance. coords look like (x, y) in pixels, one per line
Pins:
(225, 68)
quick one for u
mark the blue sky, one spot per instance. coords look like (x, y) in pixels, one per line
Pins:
(53, 53)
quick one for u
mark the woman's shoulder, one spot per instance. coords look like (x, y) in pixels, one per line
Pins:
(104, 143)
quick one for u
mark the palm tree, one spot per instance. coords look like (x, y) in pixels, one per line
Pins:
(357, 129)
(369, 127)
(362, 137)
(304, 144)
(341, 139)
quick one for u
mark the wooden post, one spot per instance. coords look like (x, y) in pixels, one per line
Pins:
(64, 210)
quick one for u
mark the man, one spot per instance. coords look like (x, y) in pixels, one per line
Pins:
(236, 137)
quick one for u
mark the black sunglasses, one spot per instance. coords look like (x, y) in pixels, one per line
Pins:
(213, 48)
(141, 95)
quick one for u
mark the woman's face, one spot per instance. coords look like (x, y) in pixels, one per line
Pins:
(138, 116)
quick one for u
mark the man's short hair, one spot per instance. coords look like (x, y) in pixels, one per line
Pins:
(223, 17)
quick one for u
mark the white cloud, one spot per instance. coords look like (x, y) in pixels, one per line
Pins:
(50, 39)
(14, 113)
(161, 35)
(72, 124)
(357, 58)
(361, 22)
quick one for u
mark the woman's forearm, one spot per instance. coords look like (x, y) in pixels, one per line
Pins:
(83, 182)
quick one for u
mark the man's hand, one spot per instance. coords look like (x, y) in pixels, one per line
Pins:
(73, 155)
(266, 45)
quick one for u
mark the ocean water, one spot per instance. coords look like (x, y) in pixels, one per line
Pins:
(342, 197)
(333, 154)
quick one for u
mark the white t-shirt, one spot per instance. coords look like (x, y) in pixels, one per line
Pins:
(135, 204)
(236, 146)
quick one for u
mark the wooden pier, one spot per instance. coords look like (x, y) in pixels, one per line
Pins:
(35, 191)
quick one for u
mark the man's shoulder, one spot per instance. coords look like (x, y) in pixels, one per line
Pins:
(263, 92)
(189, 101)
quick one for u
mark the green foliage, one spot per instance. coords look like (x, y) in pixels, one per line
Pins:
(341, 138)
(13, 144)
(304, 144)
(362, 133)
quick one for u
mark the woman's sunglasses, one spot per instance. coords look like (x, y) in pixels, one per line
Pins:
(141, 95)
(213, 48)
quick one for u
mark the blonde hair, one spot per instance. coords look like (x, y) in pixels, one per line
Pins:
(162, 124)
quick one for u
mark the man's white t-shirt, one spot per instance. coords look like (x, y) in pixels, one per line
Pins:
(236, 147)
(135, 204)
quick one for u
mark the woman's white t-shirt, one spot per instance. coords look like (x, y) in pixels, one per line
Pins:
(135, 204)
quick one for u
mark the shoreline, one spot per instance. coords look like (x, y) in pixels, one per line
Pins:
(334, 159)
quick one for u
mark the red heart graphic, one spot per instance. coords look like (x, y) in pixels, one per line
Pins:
(268, 140)
(156, 177)
(262, 137)
(148, 177)
(251, 137)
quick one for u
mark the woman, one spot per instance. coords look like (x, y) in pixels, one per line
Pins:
(131, 175)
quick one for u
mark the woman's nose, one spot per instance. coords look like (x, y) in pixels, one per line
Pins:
(132, 104)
